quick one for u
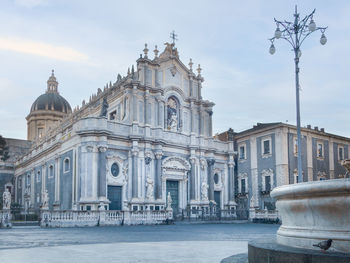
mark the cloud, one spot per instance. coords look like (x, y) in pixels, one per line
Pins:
(30, 3)
(42, 49)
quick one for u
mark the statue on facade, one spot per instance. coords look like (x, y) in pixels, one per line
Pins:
(6, 198)
(204, 191)
(172, 118)
(104, 108)
(169, 202)
(149, 188)
(45, 200)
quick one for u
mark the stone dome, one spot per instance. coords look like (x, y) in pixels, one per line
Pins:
(51, 100)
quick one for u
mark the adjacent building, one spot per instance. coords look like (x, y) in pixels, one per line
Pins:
(267, 157)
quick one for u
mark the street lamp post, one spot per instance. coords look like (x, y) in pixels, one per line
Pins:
(295, 33)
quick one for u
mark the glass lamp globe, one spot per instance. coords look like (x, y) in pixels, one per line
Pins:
(312, 25)
(272, 49)
(278, 33)
(299, 53)
(323, 39)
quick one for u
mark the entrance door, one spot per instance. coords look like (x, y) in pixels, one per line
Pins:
(173, 188)
(115, 196)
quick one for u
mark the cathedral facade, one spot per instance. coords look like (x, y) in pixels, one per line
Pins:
(136, 144)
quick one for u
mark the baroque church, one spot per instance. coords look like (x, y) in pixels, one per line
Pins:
(138, 141)
(145, 143)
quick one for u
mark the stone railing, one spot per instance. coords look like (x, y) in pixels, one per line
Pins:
(102, 218)
(263, 215)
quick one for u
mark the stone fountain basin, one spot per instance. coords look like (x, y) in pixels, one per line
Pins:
(314, 211)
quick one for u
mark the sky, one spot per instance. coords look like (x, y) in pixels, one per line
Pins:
(88, 43)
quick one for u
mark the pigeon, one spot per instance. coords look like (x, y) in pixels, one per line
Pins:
(324, 245)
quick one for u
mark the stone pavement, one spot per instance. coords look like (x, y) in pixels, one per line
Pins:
(165, 243)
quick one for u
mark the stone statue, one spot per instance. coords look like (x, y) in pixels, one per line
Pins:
(45, 200)
(6, 197)
(149, 188)
(173, 122)
(104, 108)
(204, 191)
(169, 202)
(172, 119)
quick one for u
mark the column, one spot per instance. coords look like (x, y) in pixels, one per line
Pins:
(134, 104)
(200, 128)
(331, 158)
(231, 181)
(134, 161)
(254, 173)
(102, 172)
(309, 158)
(210, 112)
(57, 182)
(158, 176)
(147, 113)
(193, 178)
(193, 116)
(211, 163)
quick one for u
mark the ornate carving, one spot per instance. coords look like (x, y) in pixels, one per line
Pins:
(210, 162)
(102, 149)
(203, 163)
(149, 188)
(193, 160)
(148, 160)
(158, 155)
(204, 191)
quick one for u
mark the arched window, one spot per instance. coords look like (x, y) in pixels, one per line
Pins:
(66, 165)
(173, 116)
(38, 176)
(51, 174)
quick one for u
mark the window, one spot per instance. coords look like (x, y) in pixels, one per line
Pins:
(243, 185)
(28, 179)
(66, 165)
(115, 169)
(113, 115)
(216, 178)
(295, 146)
(268, 183)
(40, 132)
(242, 152)
(266, 145)
(267, 180)
(51, 173)
(320, 150)
(340, 153)
(38, 176)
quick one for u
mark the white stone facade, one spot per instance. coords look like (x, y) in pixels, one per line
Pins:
(154, 137)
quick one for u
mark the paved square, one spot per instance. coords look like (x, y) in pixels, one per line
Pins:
(173, 243)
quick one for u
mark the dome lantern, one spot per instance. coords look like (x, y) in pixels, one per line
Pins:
(52, 83)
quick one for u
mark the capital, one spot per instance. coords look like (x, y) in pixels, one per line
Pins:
(210, 162)
(148, 160)
(102, 149)
(158, 155)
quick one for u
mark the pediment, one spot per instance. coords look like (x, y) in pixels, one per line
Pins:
(174, 163)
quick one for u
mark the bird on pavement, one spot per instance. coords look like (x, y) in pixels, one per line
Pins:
(324, 245)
